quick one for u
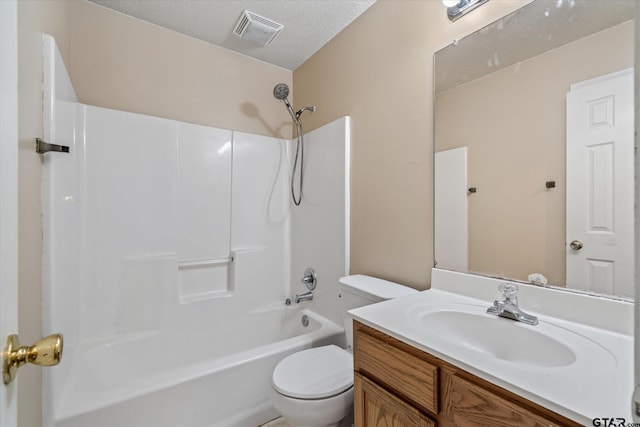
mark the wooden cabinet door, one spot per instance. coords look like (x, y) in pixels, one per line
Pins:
(470, 405)
(375, 407)
(409, 376)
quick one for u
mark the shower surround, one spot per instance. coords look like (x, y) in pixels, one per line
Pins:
(169, 251)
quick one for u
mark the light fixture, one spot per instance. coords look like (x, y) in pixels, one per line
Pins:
(458, 8)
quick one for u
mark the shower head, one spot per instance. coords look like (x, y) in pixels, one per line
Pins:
(281, 91)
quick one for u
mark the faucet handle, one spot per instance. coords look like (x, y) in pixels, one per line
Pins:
(309, 279)
(508, 290)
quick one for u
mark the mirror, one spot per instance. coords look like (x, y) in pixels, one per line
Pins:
(517, 196)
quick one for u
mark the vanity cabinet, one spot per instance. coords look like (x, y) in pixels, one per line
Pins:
(399, 385)
(377, 407)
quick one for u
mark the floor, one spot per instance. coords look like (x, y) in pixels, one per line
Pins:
(279, 422)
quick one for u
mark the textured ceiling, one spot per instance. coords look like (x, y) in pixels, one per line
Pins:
(308, 24)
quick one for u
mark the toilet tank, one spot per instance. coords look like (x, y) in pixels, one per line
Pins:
(359, 290)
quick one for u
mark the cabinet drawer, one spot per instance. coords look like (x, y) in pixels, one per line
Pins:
(409, 376)
(472, 405)
(375, 407)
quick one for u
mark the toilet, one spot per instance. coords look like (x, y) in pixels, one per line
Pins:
(314, 387)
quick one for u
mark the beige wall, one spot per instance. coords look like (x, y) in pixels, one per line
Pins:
(379, 71)
(122, 63)
(126, 64)
(513, 123)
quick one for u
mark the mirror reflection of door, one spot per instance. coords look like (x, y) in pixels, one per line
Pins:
(501, 92)
(600, 132)
(451, 235)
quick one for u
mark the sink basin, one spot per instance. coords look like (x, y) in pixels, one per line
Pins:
(499, 338)
(469, 329)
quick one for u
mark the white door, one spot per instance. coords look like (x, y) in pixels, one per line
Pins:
(451, 216)
(600, 176)
(8, 196)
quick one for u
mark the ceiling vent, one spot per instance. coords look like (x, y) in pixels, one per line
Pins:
(256, 28)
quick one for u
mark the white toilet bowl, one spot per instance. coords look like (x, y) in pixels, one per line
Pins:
(314, 387)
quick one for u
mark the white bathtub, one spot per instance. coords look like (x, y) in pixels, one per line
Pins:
(188, 378)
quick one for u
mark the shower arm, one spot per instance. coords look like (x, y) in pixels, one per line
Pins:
(303, 109)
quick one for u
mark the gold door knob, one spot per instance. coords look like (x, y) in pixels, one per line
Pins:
(45, 352)
(576, 245)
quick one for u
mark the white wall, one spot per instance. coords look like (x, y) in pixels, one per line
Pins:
(58, 116)
(260, 224)
(142, 195)
(320, 225)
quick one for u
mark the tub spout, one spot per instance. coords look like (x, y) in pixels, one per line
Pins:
(307, 296)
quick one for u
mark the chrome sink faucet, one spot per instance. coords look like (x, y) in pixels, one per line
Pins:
(508, 307)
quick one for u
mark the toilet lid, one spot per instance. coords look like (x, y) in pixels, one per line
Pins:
(315, 373)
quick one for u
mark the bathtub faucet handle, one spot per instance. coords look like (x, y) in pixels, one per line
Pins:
(309, 279)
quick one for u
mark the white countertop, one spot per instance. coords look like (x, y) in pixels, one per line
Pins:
(599, 384)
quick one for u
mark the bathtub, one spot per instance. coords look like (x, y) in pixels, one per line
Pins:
(194, 378)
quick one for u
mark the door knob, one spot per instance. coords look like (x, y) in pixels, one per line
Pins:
(45, 352)
(576, 245)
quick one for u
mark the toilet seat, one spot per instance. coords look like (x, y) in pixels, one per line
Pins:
(316, 373)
